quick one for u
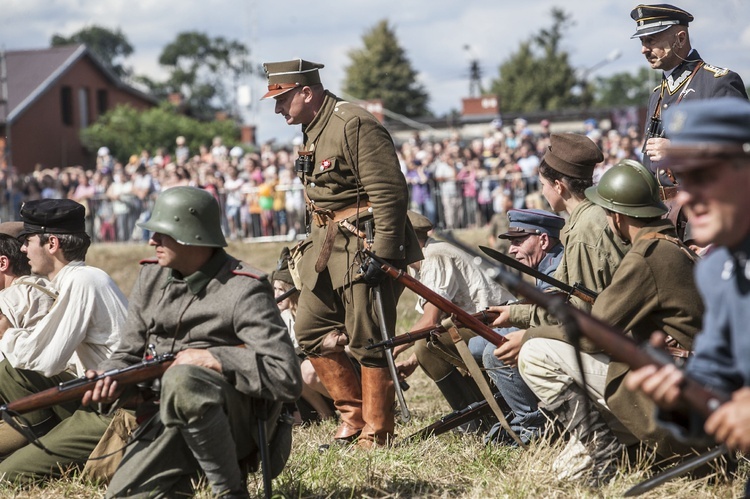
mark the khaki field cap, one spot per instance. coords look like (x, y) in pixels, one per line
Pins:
(573, 155)
(286, 75)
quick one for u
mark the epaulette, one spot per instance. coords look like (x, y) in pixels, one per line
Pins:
(256, 274)
(717, 71)
(148, 260)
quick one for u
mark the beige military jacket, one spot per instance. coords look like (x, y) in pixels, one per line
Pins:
(355, 161)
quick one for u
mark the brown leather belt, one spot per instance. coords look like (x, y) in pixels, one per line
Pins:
(667, 193)
(330, 220)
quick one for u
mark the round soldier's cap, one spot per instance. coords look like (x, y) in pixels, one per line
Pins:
(707, 128)
(628, 188)
(286, 75)
(12, 229)
(533, 222)
(573, 155)
(420, 223)
(52, 216)
(657, 18)
(281, 273)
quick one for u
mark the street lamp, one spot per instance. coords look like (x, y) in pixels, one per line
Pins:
(582, 75)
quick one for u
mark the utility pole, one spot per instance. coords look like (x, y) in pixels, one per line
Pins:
(475, 74)
(6, 107)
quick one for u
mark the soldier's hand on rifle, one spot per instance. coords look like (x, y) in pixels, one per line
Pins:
(373, 275)
(662, 385)
(105, 390)
(503, 317)
(198, 357)
(508, 351)
(407, 368)
(656, 147)
(730, 423)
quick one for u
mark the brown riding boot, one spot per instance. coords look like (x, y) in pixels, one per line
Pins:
(337, 374)
(378, 397)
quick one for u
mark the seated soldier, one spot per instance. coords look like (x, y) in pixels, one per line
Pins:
(315, 403)
(234, 363)
(81, 328)
(449, 272)
(534, 237)
(652, 289)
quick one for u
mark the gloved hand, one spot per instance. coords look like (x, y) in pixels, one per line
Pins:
(372, 274)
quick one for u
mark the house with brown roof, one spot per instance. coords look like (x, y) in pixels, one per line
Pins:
(47, 97)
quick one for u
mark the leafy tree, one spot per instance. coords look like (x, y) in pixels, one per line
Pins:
(624, 89)
(381, 70)
(538, 76)
(199, 68)
(109, 46)
(125, 130)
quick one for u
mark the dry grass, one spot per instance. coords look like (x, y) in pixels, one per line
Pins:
(446, 466)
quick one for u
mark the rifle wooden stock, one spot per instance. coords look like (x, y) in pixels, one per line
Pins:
(447, 306)
(485, 316)
(614, 342)
(75, 389)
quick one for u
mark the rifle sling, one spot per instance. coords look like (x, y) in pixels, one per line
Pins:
(476, 373)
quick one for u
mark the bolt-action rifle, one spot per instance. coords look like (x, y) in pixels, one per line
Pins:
(447, 306)
(485, 316)
(577, 290)
(150, 368)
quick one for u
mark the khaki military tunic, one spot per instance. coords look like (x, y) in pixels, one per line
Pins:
(653, 289)
(354, 164)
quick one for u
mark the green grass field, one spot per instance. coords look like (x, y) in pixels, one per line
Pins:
(450, 465)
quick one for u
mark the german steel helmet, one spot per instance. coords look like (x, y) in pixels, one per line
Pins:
(628, 188)
(189, 215)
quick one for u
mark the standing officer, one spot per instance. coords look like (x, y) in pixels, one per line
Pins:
(232, 349)
(665, 42)
(710, 153)
(352, 175)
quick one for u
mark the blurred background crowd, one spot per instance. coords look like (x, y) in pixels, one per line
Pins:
(455, 182)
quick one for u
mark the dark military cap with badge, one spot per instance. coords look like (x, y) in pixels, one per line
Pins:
(287, 75)
(573, 155)
(652, 19)
(52, 216)
(706, 128)
(533, 222)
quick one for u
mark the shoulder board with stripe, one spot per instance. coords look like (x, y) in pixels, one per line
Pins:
(717, 71)
(247, 274)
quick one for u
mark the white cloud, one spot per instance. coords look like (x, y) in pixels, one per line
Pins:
(433, 33)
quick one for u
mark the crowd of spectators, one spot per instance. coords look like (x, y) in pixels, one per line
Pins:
(456, 183)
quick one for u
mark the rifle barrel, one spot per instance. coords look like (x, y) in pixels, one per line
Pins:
(578, 291)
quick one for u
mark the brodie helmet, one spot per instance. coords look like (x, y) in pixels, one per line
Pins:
(189, 215)
(628, 188)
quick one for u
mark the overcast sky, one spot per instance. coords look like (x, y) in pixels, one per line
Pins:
(434, 34)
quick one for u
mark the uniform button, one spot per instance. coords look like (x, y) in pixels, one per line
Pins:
(662, 172)
(312, 184)
(401, 248)
(369, 209)
(666, 106)
(336, 109)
